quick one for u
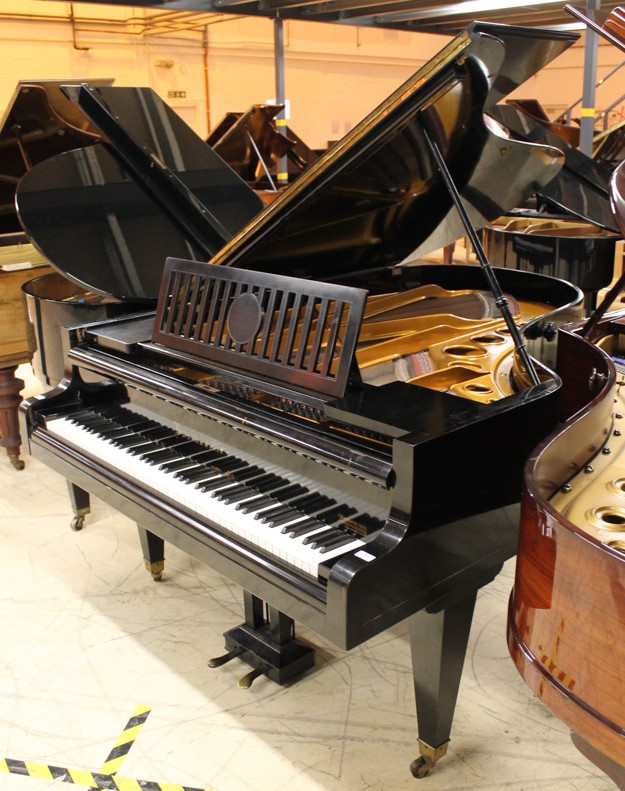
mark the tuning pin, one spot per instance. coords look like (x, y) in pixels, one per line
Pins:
(248, 679)
(218, 661)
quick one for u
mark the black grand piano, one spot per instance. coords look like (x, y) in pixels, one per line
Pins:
(340, 435)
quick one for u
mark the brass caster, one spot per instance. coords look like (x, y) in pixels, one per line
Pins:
(16, 462)
(156, 569)
(77, 523)
(421, 767)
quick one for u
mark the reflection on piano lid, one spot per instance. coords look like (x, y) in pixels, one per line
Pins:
(37, 123)
(377, 195)
(106, 217)
(364, 205)
(609, 25)
(581, 188)
(252, 145)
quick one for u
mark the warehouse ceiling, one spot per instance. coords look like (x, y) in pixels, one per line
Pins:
(425, 16)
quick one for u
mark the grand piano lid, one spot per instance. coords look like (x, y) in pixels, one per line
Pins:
(102, 216)
(582, 188)
(37, 123)
(377, 194)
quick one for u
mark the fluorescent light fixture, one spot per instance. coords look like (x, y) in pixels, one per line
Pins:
(469, 7)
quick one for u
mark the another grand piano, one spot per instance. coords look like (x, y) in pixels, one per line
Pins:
(340, 435)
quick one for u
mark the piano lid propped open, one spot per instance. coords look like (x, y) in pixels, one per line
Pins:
(365, 205)
(376, 196)
(102, 216)
(38, 122)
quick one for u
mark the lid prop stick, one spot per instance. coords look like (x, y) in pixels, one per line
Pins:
(500, 300)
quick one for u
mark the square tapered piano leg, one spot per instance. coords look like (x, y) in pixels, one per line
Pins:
(266, 642)
(153, 548)
(438, 644)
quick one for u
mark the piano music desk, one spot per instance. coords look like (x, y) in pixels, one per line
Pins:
(18, 264)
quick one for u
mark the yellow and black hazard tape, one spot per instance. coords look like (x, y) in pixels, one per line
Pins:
(83, 777)
(125, 741)
(106, 777)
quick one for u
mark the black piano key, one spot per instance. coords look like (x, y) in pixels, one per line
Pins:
(112, 430)
(183, 463)
(248, 474)
(271, 481)
(318, 539)
(229, 497)
(203, 462)
(158, 432)
(142, 448)
(172, 440)
(87, 420)
(218, 483)
(334, 516)
(230, 464)
(344, 538)
(302, 528)
(234, 491)
(289, 515)
(253, 505)
(163, 454)
(195, 476)
(287, 496)
(310, 504)
(95, 426)
(276, 512)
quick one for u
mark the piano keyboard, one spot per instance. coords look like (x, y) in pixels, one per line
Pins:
(280, 515)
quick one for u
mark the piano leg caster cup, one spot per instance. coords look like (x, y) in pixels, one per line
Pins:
(80, 502)
(78, 522)
(155, 569)
(423, 765)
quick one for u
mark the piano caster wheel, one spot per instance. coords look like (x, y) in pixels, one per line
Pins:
(16, 462)
(78, 522)
(421, 767)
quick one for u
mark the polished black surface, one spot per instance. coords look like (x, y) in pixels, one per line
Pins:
(581, 188)
(103, 225)
(251, 143)
(39, 122)
(413, 458)
(376, 195)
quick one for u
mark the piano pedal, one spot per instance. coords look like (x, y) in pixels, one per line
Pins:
(246, 681)
(280, 662)
(218, 661)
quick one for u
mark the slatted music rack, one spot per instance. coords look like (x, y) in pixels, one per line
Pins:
(303, 332)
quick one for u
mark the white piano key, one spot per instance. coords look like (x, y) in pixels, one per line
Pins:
(205, 505)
